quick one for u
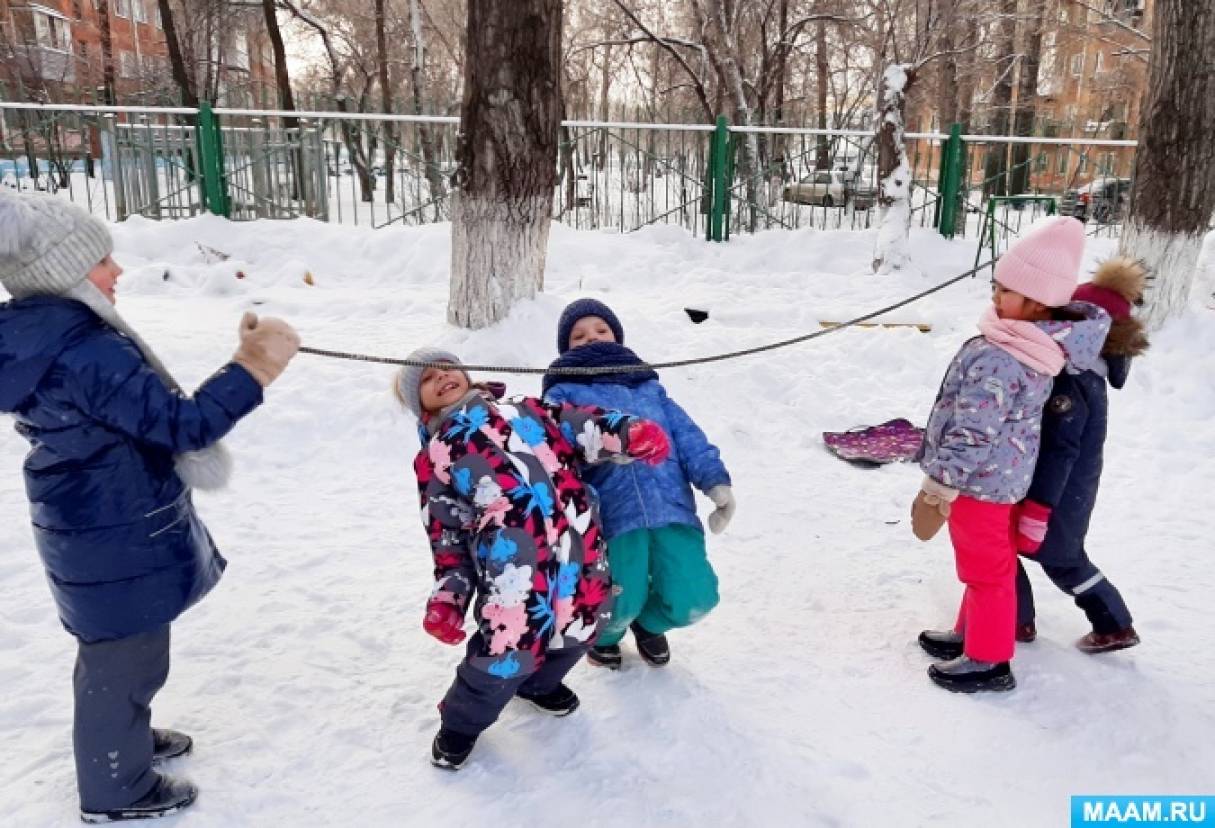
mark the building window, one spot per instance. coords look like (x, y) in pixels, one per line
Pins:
(77, 10)
(120, 8)
(1061, 166)
(160, 24)
(1082, 167)
(128, 65)
(1040, 163)
(52, 32)
(139, 12)
(1078, 65)
(1100, 62)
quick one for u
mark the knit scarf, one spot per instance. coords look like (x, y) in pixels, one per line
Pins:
(1025, 341)
(206, 469)
(597, 355)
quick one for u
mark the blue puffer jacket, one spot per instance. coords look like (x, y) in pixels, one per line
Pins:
(638, 496)
(123, 548)
(1074, 425)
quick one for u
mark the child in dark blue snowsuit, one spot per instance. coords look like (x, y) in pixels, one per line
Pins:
(1054, 517)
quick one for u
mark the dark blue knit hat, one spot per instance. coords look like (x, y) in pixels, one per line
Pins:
(579, 309)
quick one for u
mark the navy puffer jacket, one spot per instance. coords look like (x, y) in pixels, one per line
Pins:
(116, 528)
(1074, 425)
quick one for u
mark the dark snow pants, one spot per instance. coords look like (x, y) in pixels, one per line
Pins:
(114, 684)
(475, 699)
(1079, 577)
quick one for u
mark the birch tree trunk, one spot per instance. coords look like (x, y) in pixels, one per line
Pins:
(506, 157)
(894, 172)
(1174, 192)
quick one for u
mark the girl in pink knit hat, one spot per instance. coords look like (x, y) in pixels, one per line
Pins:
(982, 442)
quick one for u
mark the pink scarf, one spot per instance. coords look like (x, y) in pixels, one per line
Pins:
(1028, 344)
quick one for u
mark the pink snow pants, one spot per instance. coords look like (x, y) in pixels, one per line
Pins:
(986, 558)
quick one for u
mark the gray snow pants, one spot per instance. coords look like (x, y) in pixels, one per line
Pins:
(114, 684)
(476, 699)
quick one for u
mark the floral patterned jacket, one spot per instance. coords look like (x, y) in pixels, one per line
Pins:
(511, 523)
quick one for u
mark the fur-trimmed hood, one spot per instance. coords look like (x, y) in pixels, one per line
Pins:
(1117, 286)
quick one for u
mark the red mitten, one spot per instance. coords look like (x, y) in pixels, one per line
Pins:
(444, 622)
(648, 443)
(1032, 520)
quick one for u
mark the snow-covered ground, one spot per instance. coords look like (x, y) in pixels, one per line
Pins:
(802, 700)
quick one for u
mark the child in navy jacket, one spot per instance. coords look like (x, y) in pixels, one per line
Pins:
(1054, 517)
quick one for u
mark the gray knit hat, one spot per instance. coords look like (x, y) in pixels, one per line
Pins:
(47, 244)
(409, 378)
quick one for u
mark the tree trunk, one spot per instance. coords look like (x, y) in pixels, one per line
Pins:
(947, 67)
(995, 170)
(177, 63)
(390, 138)
(966, 74)
(1027, 94)
(782, 73)
(286, 99)
(506, 157)
(821, 68)
(601, 156)
(722, 44)
(107, 52)
(434, 179)
(1174, 191)
(894, 173)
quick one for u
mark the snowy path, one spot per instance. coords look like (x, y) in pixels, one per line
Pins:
(310, 687)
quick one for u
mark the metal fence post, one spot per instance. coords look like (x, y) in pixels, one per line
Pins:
(719, 162)
(211, 162)
(951, 179)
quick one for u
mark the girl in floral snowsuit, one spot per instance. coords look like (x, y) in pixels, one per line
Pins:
(511, 525)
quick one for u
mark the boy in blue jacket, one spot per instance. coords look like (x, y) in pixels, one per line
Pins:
(1054, 518)
(656, 545)
(115, 449)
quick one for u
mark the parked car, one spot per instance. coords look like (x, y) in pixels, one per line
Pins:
(832, 188)
(1103, 200)
(825, 187)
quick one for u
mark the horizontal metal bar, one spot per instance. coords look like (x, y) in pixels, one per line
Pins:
(115, 110)
(626, 125)
(339, 116)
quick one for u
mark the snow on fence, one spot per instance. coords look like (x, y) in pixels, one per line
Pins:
(378, 170)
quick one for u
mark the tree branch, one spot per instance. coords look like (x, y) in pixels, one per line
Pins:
(701, 94)
(1108, 18)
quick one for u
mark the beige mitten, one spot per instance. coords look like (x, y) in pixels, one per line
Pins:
(266, 346)
(930, 509)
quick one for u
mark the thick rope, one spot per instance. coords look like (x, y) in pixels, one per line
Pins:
(679, 363)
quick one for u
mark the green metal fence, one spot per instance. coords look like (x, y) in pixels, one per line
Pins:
(713, 180)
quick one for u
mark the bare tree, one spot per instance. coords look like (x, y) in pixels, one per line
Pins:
(1174, 192)
(506, 157)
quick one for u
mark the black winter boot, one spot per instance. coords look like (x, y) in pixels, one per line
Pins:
(168, 796)
(560, 701)
(941, 643)
(608, 656)
(653, 647)
(450, 749)
(169, 744)
(965, 675)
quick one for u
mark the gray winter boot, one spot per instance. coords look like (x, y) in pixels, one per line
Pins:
(966, 675)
